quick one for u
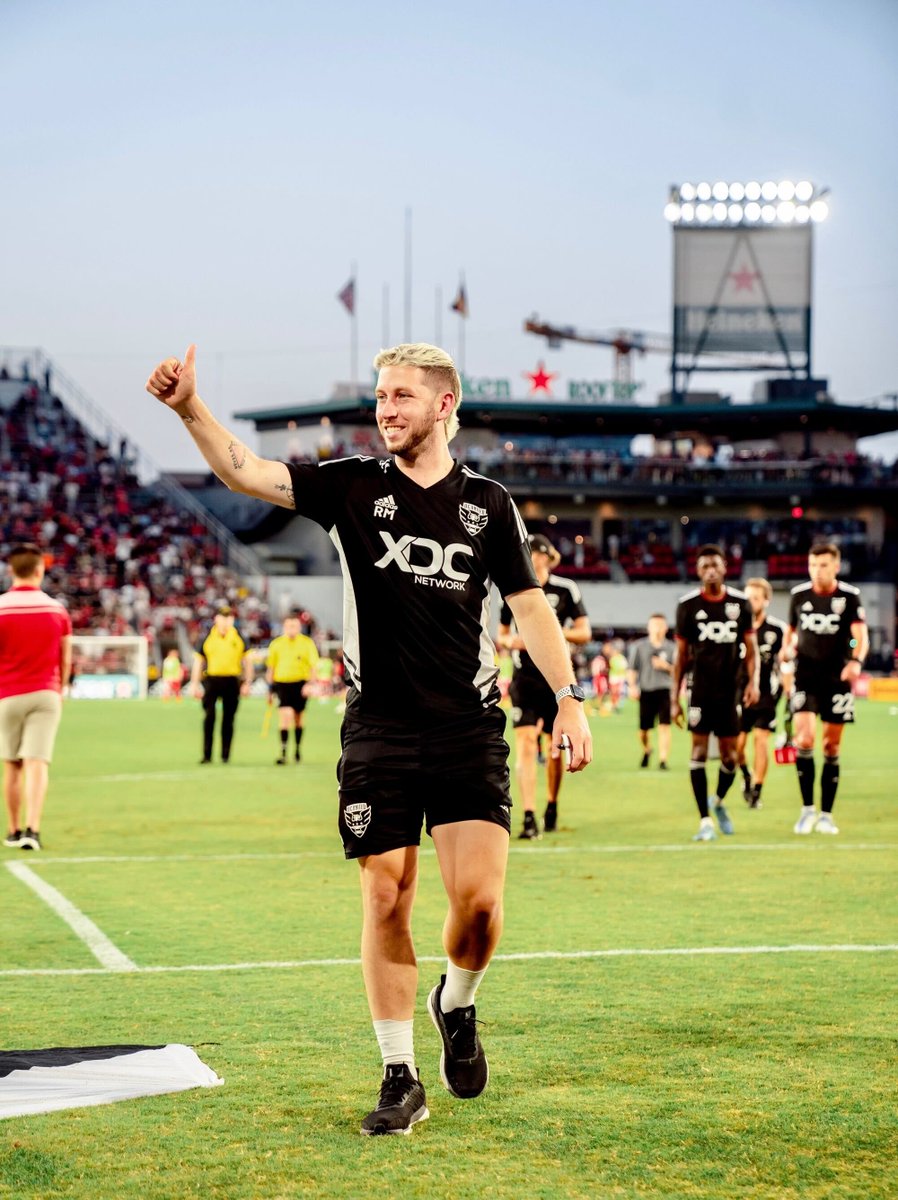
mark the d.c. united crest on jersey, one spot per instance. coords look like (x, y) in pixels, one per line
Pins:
(732, 611)
(473, 518)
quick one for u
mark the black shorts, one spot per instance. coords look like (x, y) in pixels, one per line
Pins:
(392, 779)
(826, 695)
(713, 712)
(759, 716)
(290, 695)
(654, 706)
(532, 701)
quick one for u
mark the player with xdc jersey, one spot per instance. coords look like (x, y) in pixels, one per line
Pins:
(712, 624)
(828, 638)
(421, 540)
(760, 719)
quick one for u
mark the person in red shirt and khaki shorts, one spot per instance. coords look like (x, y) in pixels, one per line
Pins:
(35, 665)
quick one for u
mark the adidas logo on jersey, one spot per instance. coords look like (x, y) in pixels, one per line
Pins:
(385, 507)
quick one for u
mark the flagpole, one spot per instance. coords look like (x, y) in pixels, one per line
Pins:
(354, 333)
(408, 275)
(438, 323)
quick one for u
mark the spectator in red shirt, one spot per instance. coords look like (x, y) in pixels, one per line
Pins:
(35, 665)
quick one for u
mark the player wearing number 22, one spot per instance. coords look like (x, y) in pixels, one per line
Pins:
(829, 640)
(421, 541)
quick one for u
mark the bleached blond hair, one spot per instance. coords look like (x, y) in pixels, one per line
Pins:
(439, 371)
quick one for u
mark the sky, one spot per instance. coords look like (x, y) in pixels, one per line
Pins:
(210, 171)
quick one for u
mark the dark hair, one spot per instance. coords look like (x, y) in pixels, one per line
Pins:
(25, 559)
(825, 548)
(709, 550)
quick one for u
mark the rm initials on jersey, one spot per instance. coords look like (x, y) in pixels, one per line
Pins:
(432, 560)
(820, 622)
(386, 506)
(721, 632)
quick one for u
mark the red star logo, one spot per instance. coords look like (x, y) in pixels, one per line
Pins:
(540, 379)
(744, 279)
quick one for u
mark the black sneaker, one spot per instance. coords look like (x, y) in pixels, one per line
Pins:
(13, 839)
(662, 766)
(755, 801)
(281, 761)
(645, 760)
(530, 832)
(297, 757)
(30, 840)
(204, 762)
(550, 816)
(748, 791)
(463, 1066)
(401, 1105)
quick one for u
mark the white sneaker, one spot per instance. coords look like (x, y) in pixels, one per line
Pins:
(806, 821)
(825, 824)
(705, 833)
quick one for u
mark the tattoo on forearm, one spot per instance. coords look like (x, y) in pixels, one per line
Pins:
(288, 492)
(188, 420)
(237, 452)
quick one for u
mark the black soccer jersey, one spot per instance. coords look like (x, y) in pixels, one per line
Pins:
(770, 634)
(418, 564)
(823, 623)
(713, 630)
(565, 598)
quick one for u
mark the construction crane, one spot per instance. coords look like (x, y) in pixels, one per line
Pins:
(624, 342)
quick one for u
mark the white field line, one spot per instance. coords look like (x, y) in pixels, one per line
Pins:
(96, 941)
(629, 952)
(802, 844)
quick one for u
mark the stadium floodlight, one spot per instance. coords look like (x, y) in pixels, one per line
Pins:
(784, 203)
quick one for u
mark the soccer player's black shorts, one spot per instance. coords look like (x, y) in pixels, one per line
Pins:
(713, 712)
(759, 716)
(827, 695)
(290, 695)
(654, 706)
(532, 701)
(393, 780)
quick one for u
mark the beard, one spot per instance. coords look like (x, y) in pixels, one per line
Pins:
(414, 438)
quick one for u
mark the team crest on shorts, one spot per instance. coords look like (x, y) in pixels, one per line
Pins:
(695, 715)
(732, 611)
(798, 700)
(358, 818)
(473, 518)
(838, 604)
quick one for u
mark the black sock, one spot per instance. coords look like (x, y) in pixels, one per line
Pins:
(285, 733)
(699, 780)
(746, 774)
(804, 764)
(757, 790)
(829, 782)
(297, 733)
(725, 777)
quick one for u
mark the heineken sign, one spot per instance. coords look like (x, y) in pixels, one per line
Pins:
(582, 391)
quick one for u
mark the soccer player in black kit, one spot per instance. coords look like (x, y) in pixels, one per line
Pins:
(760, 718)
(828, 636)
(533, 706)
(712, 623)
(421, 541)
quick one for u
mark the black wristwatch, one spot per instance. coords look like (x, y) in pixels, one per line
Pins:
(570, 689)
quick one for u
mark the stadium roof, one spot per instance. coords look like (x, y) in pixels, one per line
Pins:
(568, 418)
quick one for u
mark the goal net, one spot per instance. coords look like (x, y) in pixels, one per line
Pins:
(109, 668)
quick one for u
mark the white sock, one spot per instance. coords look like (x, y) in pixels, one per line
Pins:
(706, 821)
(460, 987)
(396, 1041)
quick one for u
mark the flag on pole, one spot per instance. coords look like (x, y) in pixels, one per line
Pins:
(460, 303)
(347, 297)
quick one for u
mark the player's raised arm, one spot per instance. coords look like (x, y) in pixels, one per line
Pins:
(174, 383)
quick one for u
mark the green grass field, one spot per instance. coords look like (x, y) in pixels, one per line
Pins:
(630, 1055)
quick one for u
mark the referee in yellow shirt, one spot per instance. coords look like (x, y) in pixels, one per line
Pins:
(292, 659)
(222, 654)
